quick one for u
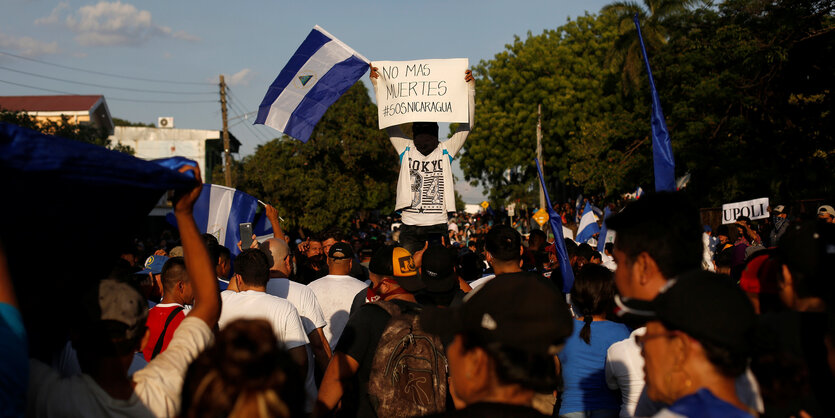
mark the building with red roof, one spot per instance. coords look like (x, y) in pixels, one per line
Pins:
(78, 108)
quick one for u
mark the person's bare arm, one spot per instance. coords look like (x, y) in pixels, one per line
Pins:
(341, 368)
(198, 264)
(321, 349)
(299, 356)
(272, 216)
(7, 294)
(454, 143)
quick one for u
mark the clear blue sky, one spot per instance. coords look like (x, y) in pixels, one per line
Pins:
(187, 42)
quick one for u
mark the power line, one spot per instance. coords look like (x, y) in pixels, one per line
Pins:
(106, 74)
(102, 86)
(115, 99)
(259, 136)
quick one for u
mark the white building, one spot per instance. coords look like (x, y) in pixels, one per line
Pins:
(201, 145)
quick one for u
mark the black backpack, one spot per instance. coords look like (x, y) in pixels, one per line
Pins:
(409, 372)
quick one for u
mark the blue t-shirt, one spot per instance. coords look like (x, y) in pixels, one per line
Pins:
(14, 362)
(583, 368)
(703, 404)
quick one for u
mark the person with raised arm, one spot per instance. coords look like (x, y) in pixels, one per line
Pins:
(110, 328)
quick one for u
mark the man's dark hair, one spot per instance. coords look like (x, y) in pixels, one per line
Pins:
(173, 272)
(666, 226)
(537, 239)
(253, 267)
(570, 247)
(503, 243)
(514, 366)
(609, 247)
(215, 250)
(727, 362)
(209, 239)
(586, 251)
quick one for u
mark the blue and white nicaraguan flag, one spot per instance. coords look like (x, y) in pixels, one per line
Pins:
(588, 225)
(220, 210)
(321, 70)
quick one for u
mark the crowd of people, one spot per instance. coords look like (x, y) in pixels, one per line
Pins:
(473, 323)
(426, 316)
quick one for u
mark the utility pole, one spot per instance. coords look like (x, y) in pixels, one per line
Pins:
(227, 169)
(539, 154)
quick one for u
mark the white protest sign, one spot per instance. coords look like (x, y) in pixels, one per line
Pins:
(754, 209)
(430, 90)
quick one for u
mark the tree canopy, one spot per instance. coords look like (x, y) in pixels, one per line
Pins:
(347, 168)
(746, 88)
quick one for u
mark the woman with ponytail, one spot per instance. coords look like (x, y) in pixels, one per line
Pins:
(583, 359)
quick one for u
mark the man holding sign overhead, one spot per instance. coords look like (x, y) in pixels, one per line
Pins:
(417, 91)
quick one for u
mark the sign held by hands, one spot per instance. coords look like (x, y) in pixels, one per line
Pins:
(431, 90)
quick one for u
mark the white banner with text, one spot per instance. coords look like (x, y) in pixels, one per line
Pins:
(431, 90)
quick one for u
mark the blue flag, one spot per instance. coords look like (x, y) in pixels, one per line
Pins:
(220, 210)
(588, 225)
(601, 239)
(663, 163)
(321, 70)
(555, 221)
(83, 199)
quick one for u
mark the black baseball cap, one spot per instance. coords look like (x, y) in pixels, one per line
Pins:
(519, 312)
(706, 306)
(437, 270)
(340, 251)
(398, 264)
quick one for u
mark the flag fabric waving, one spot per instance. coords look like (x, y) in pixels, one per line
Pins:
(588, 225)
(555, 221)
(663, 163)
(321, 70)
(89, 200)
(220, 210)
(603, 238)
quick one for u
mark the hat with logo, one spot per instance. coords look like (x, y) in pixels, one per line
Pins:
(340, 251)
(153, 264)
(778, 209)
(398, 264)
(518, 312)
(438, 269)
(706, 306)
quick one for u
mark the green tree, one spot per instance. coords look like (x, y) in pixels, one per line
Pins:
(656, 18)
(64, 129)
(347, 168)
(125, 122)
(749, 99)
(563, 70)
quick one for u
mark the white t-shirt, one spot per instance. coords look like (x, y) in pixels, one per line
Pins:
(475, 284)
(625, 371)
(158, 386)
(312, 318)
(251, 304)
(335, 294)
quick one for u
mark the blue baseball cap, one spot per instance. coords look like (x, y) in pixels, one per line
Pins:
(153, 264)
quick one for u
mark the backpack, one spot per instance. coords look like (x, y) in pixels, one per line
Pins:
(409, 371)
